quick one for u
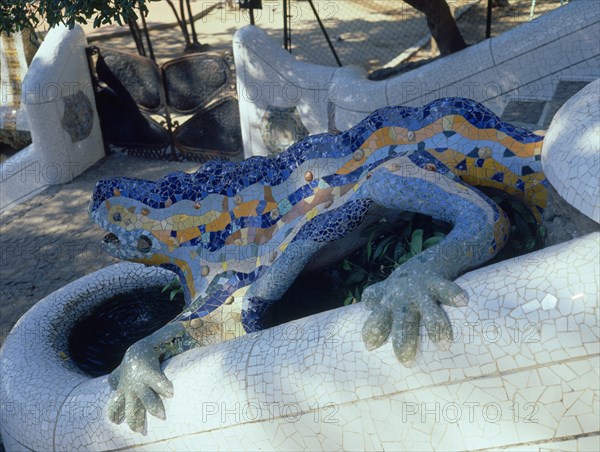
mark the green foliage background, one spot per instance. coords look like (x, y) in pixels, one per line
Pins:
(16, 15)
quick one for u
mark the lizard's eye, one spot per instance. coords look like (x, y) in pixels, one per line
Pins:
(144, 244)
(117, 217)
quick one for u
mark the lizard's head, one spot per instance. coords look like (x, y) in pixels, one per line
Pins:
(125, 219)
(145, 224)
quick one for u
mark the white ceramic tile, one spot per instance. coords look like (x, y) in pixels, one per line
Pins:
(570, 154)
(222, 391)
(58, 70)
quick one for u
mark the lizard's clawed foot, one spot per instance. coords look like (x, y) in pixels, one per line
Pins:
(138, 382)
(400, 303)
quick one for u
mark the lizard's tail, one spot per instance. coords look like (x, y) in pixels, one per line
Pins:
(40, 382)
(467, 139)
(491, 153)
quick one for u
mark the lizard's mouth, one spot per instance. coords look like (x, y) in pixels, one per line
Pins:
(110, 239)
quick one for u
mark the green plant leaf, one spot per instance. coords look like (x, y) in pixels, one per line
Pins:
(356, 277)
(369, 248)
(382, 247)
(416, 241)
(542, 232)
(170, 285)
(431, 241)
(399, 251)
(387, 247)
(405, 258)
(346, 265)
(530, 244)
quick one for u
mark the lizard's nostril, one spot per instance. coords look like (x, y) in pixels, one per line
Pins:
(110, 238)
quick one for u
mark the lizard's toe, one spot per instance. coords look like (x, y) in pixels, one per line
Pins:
(152, 403)
(377, 327)
(116, 408)
(405, 334)
(135, 414)
(160, 384)
(437, 324)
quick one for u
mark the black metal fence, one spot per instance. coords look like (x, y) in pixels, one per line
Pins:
(367, 33)
(378, 33)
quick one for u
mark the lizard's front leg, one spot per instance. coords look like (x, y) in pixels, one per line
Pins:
(275, 282)
(414, 290)
(139, 382)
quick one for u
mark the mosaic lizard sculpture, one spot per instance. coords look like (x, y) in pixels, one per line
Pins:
(250, 228)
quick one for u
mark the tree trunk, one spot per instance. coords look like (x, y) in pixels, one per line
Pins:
(441, 24)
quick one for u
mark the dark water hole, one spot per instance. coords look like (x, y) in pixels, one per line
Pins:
(99, 341)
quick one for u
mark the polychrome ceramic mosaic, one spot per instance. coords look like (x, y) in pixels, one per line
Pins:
(250, 228)
(222, 227)
(520, 373)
